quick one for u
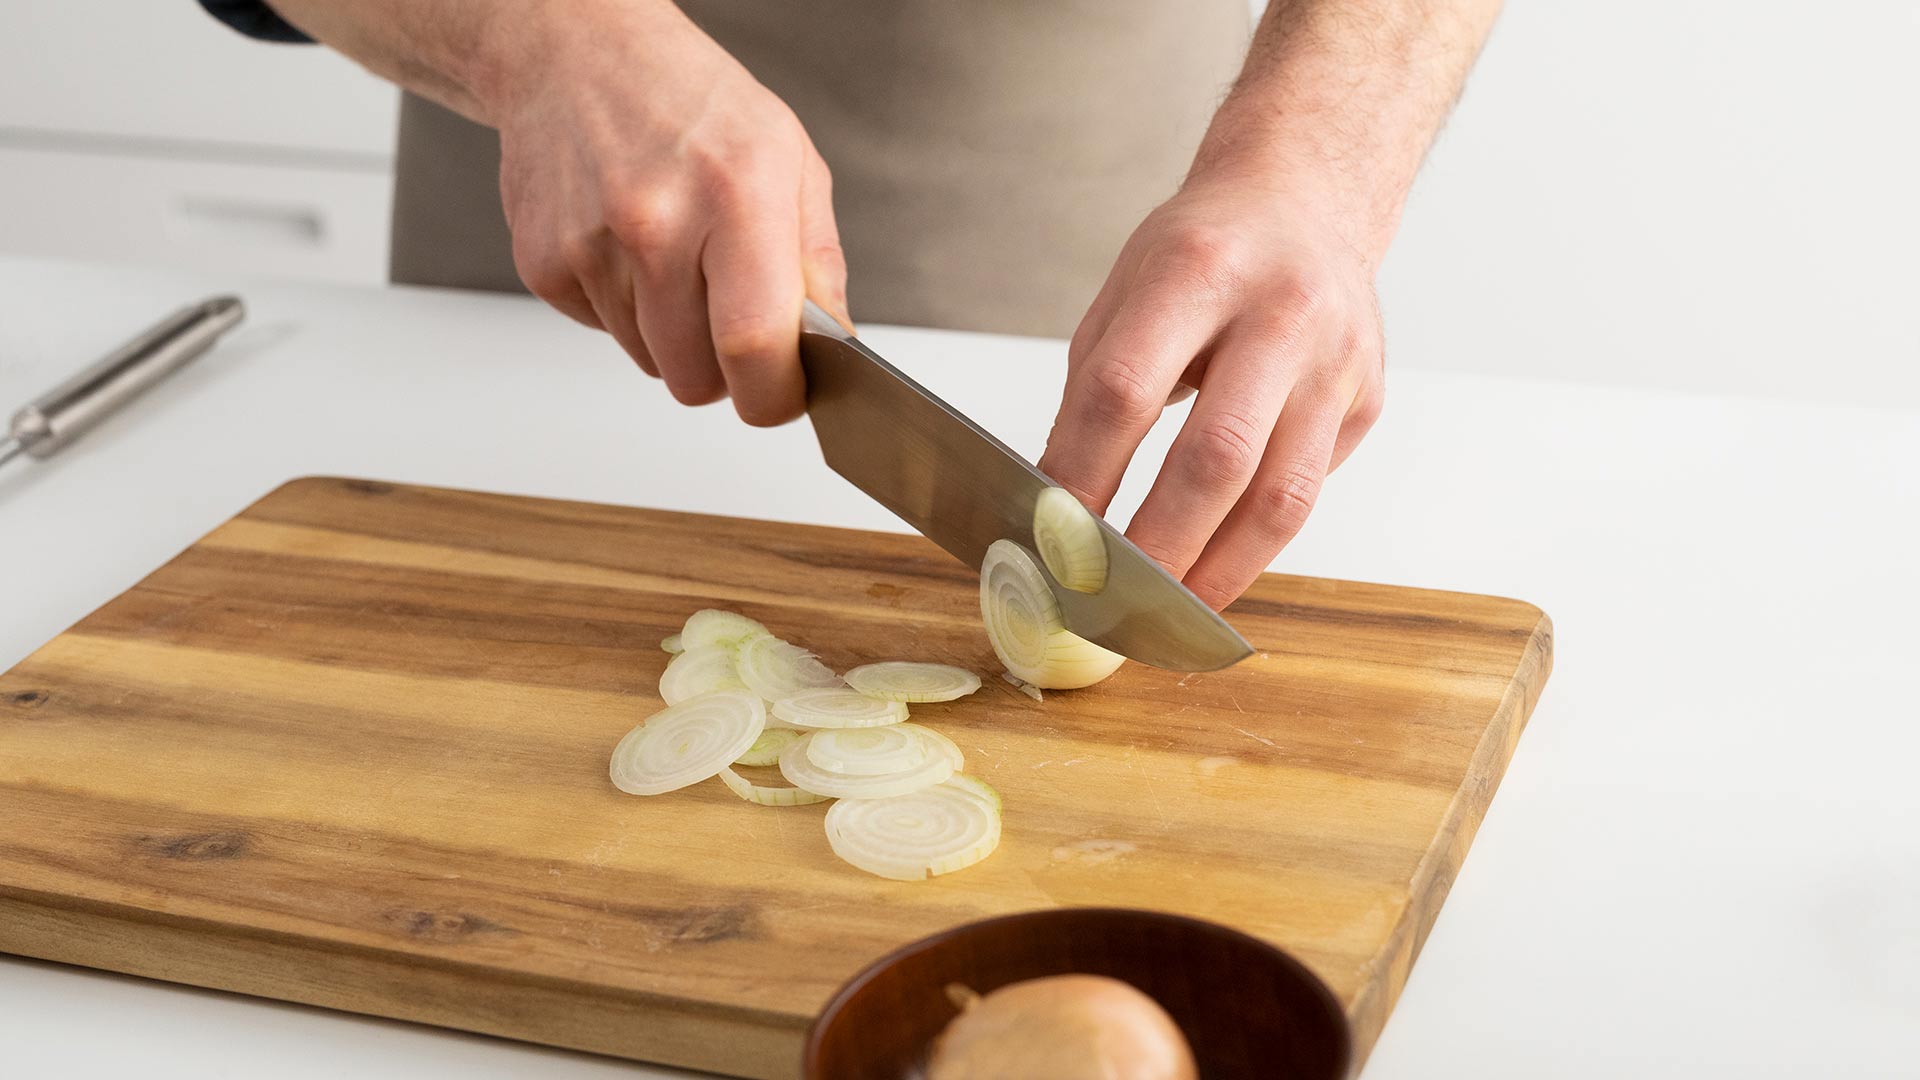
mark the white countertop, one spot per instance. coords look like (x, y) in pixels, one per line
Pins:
(1704, 860)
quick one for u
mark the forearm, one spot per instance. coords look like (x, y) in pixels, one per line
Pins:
(468, 54)
(1343, 98)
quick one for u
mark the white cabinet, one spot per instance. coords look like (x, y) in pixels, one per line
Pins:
(144, 130)
(283, 220)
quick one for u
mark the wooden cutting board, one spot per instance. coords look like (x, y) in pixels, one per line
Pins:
(350, 749)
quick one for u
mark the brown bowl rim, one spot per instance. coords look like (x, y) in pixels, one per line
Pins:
(1323, 993)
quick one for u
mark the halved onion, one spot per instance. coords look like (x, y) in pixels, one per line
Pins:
(1024, 624)
(686, 743)
(1070, 541)
(712, 626)
(671, 644)
(773, 668)
(837, 707)
(801, 772)
(870, 751)
(935, 830)
(766, 795)
(902, 680)
(700, 670)
(766, 749)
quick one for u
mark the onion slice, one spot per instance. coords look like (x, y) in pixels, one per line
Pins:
(773, 668)
(766, 749)
(797, 766)
(976, 787)
(871, 751)
(945, 746)
(701, 669)
(711, 626)
(765, 795)
(936, 830)
(1024, 624)
(686, 743)
(671, 645)
(1070, 541)
(901, 680)
(837, 707)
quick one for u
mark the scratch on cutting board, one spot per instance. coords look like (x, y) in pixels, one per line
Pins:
(1207, 766)
(1257, 738)
(1093, 851)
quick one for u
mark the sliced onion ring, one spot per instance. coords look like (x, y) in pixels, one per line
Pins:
(870, 751)
(699, 670)
(1070, 541)
(671, 645)
(936, 830)
(686, 743)
(976, 787)
(712, 626)
(766, 749)
(837, 707)
(801, 772)
(903, 680)
(773, 668)
(765, 795)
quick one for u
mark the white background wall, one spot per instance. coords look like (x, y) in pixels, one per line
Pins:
(1693, 193)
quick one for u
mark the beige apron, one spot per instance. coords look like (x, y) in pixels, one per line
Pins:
(989, 157)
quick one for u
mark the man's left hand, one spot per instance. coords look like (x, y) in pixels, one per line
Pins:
(1247, 291)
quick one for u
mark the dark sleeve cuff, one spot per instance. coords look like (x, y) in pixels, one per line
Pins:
(256, 20)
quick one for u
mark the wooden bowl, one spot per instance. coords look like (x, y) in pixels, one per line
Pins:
(1248, 1009)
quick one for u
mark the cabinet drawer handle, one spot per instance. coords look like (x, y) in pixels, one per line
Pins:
(248, 222)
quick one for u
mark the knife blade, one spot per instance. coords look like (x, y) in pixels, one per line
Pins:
(963, 489)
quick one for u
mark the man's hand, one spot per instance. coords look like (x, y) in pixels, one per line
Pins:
(1254, 284)
(1244, 293)
(657, 191)
(654, 189)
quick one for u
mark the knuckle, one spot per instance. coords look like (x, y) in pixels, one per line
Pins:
(1212, 593)
(733, 176)
(545, 274)
(581, 257)
(1367, 408)
(828, 255)
(1225, 450)
(643, 221)
(1122, 393)
(1350, 343)
(1303, 296)
(819, 174)
(1161, 553)
(1284, 501)
(1204, 256)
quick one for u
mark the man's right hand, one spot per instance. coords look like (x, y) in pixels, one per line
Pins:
(656, 191)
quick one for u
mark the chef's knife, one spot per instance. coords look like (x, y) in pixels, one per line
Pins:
(963, 489)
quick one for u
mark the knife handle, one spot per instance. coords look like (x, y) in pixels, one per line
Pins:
(815, 320)
(71, 409)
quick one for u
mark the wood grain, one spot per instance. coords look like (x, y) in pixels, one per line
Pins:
(350, 749)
